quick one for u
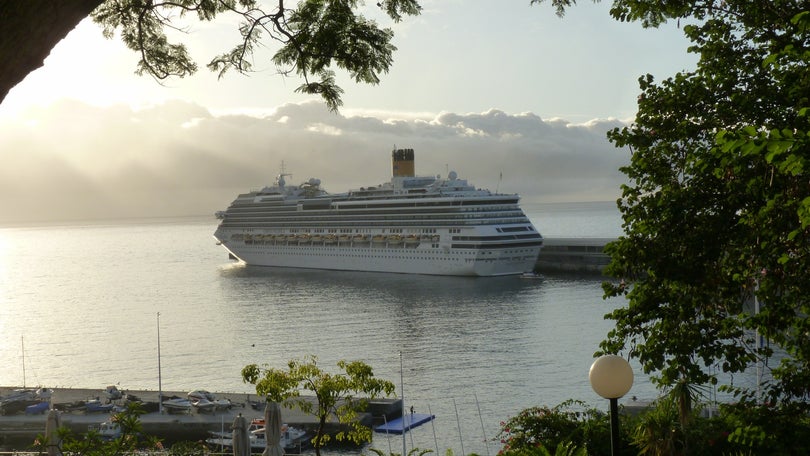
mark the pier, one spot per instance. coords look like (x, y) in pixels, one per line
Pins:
(580, 255)
(18, 431)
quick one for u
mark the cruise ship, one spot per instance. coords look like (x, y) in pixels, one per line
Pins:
(412, 224)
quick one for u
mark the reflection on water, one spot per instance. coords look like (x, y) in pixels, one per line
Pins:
(495, 344)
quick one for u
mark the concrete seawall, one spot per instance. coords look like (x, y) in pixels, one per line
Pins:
(581, 255)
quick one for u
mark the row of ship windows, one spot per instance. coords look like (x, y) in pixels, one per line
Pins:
(426, 207)
(342, 244)
(497, 246)
(353, 209)
(479, 213)
(387, 256)
(369, 215)
(456, 203)
(228, 222)
(503, 258)
(512, 229)
(350, 231)
(389, 218)
(344, 251)
(496, 238)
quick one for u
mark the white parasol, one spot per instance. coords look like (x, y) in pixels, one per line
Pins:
(241, 439)
(272, 429)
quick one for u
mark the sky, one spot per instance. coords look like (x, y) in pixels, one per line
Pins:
(512, 98)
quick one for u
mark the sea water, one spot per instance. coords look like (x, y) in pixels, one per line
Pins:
(82, 306)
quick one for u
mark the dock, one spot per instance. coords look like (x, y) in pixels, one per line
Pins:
(578, 255)
(18, 431)
(405, 423)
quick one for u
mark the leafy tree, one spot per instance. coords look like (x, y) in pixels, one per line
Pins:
(336, 394)
(717, 206)
(312, 38)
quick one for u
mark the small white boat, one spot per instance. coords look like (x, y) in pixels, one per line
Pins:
(44, 394)
(108, 430)
(113, 393)
(206, 406)
(197, 395)
(177, 405)
(292, 439)
(203, 401)
(19, 395)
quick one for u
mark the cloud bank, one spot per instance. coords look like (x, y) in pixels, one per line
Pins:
(72, 161)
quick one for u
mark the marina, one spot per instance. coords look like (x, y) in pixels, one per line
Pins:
(18, 430)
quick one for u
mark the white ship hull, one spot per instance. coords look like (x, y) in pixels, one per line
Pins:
(406, 260)
(411, 225)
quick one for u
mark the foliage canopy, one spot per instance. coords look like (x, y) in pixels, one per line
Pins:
(311, 39)
(336, 394)
(716, 212)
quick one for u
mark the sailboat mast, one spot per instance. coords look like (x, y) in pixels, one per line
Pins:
(402, 389)
(22, 341)
(160, 380)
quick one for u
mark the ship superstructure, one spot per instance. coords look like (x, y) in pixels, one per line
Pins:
(412, 224)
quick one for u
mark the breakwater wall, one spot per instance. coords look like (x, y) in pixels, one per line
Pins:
(580, 255)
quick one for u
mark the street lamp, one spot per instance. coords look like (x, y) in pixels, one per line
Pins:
(611, 377)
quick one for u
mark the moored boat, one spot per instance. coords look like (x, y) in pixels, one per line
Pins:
(292, 439)
(96, 406)
(177, 405)
(37, 409)
(108, 430)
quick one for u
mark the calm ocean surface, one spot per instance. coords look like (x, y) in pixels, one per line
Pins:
(84, 300)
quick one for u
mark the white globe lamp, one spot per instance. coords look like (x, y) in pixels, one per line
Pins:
(611, 377)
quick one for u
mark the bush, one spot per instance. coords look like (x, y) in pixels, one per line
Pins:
(570, 423)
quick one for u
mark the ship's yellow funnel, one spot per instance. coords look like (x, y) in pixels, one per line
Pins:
(402, 162)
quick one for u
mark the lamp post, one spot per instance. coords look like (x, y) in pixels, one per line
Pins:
(611, 377)
(160, 380)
